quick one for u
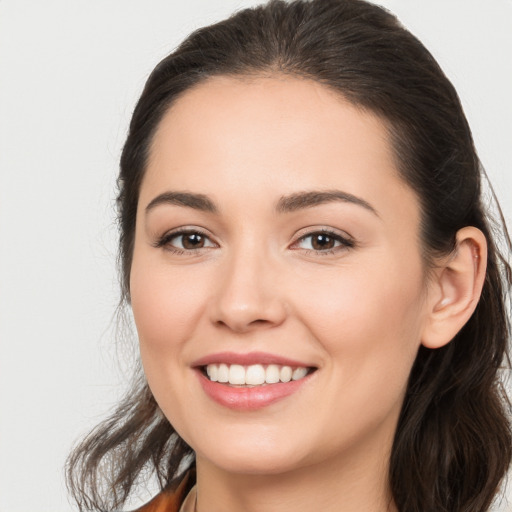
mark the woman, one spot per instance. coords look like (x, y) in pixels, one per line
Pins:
(318, 295)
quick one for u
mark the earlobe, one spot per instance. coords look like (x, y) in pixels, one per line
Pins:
(456, 289)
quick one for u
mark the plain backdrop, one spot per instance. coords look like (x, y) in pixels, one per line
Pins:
(70, 73)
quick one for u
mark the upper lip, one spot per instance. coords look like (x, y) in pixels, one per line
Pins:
(248, 359)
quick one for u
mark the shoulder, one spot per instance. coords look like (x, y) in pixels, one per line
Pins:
(166, 501)
(170, 500)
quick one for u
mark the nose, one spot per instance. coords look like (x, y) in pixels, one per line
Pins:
(248, 295)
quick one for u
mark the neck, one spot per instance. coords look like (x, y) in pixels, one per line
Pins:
(347, 484)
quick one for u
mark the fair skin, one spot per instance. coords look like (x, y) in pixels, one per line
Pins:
(296, 239)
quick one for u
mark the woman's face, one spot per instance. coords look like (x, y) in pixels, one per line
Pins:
(276, 241)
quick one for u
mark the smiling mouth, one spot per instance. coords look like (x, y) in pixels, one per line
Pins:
(237, 375)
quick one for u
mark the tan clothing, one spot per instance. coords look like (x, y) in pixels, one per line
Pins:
(183, 499)
(189, 505)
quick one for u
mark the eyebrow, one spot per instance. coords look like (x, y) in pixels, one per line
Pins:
(302, 200)
(197, 201)
(286, 204)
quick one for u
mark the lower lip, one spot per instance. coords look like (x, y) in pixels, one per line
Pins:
(249, 399)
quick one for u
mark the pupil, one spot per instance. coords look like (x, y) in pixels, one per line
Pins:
(323, 242)
(193, 241)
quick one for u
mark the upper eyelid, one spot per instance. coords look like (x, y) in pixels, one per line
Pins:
(186, 229)
(183, 230)
(345, 241)
(310, 231)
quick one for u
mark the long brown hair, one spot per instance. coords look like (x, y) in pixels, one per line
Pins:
(453, 442)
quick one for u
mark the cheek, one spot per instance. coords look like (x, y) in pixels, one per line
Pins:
(352, 300)
(166, 304)
(368, 320)
(167, 307)
(369, 326)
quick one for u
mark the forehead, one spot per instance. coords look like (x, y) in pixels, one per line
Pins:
(272, 135)
(273, 111)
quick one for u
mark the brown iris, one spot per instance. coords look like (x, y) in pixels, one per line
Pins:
(322, 241)
(192, 241)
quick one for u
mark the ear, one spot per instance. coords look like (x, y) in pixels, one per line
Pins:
(456, 288)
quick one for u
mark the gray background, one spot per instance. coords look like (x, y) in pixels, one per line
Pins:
(70, 72)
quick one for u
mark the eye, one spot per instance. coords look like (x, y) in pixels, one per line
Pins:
(185, 240)
(323, 242)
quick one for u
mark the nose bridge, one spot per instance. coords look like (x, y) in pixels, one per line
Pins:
(247, 296)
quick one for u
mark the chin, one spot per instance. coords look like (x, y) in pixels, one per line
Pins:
(261, 465)
(254, 458)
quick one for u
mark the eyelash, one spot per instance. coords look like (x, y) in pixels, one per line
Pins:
(165, 241)
(345, 243)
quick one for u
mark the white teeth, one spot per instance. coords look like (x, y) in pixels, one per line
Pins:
(213, 372)
(272, 374)
(236, 374)
(285, 375)
(299, 373)
(223, 374)
(253, 375)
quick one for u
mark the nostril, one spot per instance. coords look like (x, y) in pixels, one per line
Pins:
(259, 322)
(239, 325)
